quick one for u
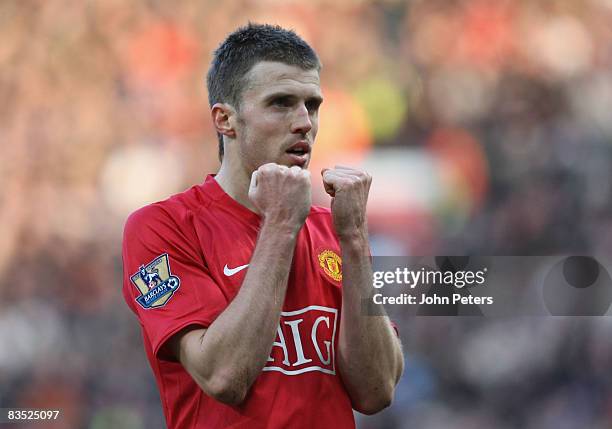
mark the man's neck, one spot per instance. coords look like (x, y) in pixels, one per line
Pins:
(236, 185)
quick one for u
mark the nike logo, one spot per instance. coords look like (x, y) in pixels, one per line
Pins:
(231, 271)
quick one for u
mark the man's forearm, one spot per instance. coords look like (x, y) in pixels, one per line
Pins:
(236, 345)
(370, 356)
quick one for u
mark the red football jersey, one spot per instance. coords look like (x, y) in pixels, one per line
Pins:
(184, 261)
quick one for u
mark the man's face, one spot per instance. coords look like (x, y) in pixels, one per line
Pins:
(278, 115)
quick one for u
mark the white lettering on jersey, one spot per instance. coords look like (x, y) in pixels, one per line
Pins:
(304, 341)
(301, 359)
(314, 340)
(280, 343)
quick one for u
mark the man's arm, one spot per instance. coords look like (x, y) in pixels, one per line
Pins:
(226, 358)
(370, 358)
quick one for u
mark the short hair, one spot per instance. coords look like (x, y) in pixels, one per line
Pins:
(242, 50)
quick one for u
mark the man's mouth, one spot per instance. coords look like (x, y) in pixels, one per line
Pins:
(299, 154)
(300, 148)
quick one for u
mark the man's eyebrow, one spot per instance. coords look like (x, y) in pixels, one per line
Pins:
(283, 94)
(316, 98)
(279, 94)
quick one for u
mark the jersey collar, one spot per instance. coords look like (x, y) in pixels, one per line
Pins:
(216, 192)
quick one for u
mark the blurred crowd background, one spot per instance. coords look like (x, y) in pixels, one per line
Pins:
(487, 126)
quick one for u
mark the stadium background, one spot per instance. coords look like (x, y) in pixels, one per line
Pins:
(486, 126)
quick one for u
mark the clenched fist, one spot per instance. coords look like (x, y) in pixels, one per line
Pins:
(349, 189)
(281, 194)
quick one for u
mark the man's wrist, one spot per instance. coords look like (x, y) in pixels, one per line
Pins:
(355, 241)
(281, 229)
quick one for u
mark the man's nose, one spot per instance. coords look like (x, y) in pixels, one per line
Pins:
(301, 121)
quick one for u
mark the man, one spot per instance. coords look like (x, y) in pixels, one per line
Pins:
(256, 322)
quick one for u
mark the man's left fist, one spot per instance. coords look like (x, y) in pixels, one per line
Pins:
(349, 189)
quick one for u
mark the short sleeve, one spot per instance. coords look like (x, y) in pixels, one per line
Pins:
(165, 281)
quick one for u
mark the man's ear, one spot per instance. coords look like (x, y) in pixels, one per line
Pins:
(223, 119)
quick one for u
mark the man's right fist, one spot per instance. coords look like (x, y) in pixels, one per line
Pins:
(281, 194)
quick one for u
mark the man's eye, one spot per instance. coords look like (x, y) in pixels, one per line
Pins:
(282, 101)
(313, 106)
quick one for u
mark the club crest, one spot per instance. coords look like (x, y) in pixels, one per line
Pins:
(331, 264)
(155, 283)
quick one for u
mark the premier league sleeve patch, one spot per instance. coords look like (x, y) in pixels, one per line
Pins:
(155, 283)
